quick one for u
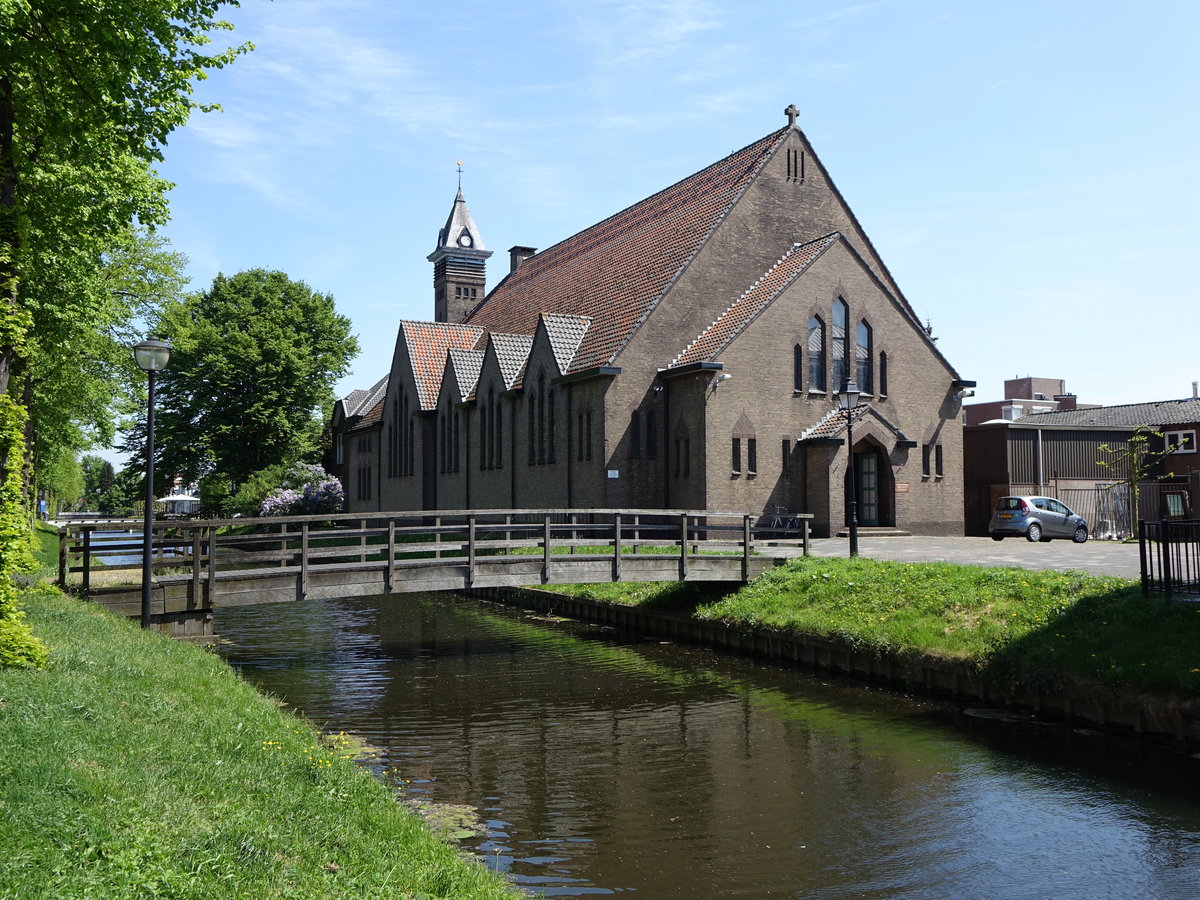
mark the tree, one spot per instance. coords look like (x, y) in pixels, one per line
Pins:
(252, 372)
(89, 93)
(1135, 462)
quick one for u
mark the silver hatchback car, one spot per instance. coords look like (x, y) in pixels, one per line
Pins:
(1037, 519)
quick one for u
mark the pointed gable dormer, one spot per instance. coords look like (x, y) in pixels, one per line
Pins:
(459, 264)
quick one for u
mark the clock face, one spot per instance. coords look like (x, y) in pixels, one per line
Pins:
(464, 240)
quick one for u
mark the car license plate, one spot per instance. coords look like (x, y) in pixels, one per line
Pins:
(1006, 515)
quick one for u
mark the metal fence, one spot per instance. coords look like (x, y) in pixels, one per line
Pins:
(1170, 556)
(1107, 507)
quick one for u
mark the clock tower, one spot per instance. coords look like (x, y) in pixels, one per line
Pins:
(459, 264)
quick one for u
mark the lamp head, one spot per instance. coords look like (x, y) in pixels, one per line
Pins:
(849, 394)
(152, 355)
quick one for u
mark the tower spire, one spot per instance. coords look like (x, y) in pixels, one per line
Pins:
(459, 263)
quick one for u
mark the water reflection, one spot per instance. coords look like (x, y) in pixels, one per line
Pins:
(604, 768)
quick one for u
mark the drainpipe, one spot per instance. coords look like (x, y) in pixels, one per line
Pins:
(1039, 462)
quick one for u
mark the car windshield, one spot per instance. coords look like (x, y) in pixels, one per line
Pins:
(1009, 503)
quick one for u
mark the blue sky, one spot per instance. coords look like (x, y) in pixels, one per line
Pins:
(1027, 170)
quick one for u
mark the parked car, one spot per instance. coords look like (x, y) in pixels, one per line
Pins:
(1037, 519)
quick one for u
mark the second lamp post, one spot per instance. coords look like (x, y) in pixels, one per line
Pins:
(848, 400)
(152, 356)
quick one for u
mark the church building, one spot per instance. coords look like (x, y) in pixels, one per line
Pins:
(684, 353)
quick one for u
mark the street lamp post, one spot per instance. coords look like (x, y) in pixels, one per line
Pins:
(848, 400)
(152, 356)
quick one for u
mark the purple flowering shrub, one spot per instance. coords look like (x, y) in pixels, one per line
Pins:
(306, 490)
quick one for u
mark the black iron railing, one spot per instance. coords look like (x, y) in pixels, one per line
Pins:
(1170, 556)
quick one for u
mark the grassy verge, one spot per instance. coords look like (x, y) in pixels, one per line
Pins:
(139, 766)
(1038, 628)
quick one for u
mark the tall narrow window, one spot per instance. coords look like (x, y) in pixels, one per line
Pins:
(938, 461)
(485, 447)
(863, 352)
(339, 448)
(651, 434)
(542, 431)
(442, 443)
(551, 430)
(531, 417)
(751, 456)
(926, 459)
(841, 321)
(816, 354)
(883, 375)
(797, 368)
(587, 435)
(498, 422)
(457, 437)
(635, 434)
(737, 456)
(786, 459)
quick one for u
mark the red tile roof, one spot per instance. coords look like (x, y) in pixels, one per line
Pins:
(714, 339)
(427, 345)
(467, 364)
(512, 352)
(616, 270)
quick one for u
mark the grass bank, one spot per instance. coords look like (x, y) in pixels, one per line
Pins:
(139, 766)
(1038, 629)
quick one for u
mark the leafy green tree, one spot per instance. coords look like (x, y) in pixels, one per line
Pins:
(89, 93)
(1135, 462)
(255, 360)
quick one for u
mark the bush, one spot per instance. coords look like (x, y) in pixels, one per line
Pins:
(306, 490)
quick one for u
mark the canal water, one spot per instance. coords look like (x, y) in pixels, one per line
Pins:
(599, 766)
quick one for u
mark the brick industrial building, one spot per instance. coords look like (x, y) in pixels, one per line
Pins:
(684, 353)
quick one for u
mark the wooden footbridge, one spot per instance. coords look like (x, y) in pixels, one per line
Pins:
(202, 565)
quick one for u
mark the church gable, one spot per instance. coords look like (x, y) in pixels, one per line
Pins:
(426, 344)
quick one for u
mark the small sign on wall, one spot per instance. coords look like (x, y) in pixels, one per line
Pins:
(614, 473)
(901, 487)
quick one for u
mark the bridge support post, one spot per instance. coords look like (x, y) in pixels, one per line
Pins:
(194, 584)
(212, 565)
(304, 560)
(745, 549)
(470, 549)
(683, 542)
(63, 537)
(87, 559)
(546, 549)
(616, 547)
(390, 574)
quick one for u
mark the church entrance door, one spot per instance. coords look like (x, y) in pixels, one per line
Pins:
(866, 480)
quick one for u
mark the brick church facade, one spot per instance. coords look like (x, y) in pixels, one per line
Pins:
(686, 352)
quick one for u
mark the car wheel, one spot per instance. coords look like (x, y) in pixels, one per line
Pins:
(1080, 535)
(1034, 534)
(997, 537)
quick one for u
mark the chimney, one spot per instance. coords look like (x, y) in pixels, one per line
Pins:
(1195, 396)
(518, 255)
(1066, 402)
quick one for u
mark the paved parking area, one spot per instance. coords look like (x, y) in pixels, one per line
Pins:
(1097, 557)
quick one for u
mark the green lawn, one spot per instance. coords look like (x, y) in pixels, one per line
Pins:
(141, 766)
(1039, 628)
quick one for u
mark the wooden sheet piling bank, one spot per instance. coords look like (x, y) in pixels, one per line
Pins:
(201, 565)
(1127, 713)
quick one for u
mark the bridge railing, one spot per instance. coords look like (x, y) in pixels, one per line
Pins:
(203, 550)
